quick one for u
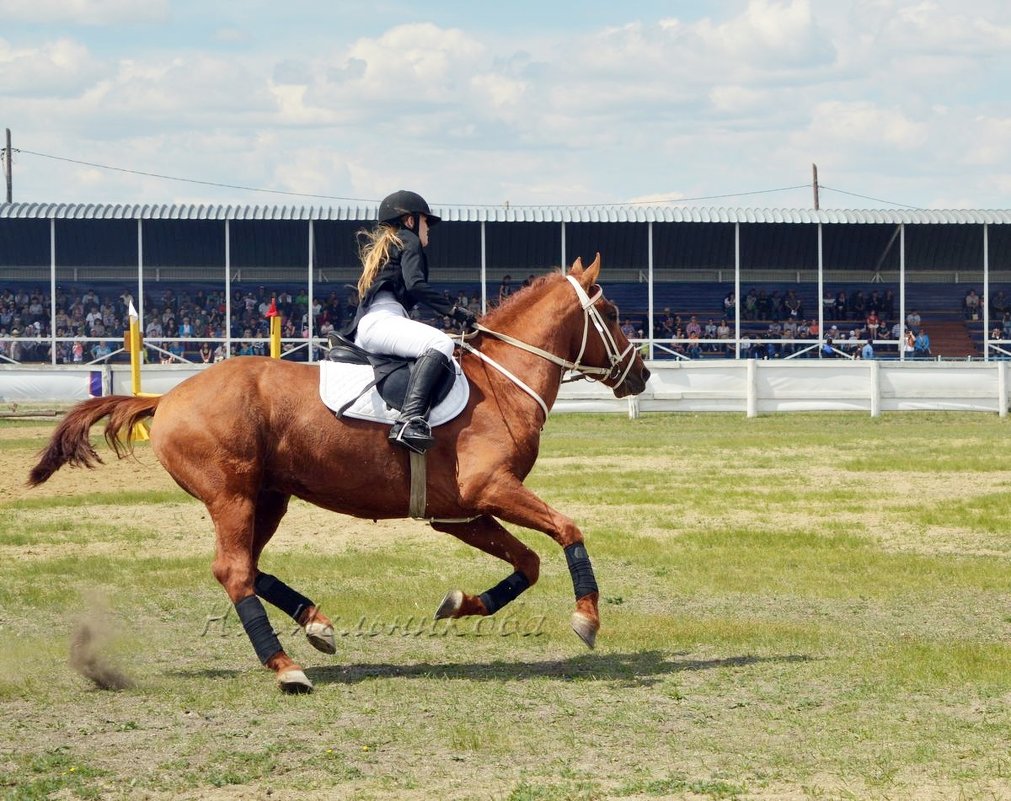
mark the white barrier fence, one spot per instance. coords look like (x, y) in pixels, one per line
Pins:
(743, 386)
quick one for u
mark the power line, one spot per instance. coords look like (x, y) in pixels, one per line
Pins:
(662, 201)
(190, 180)
(659, 202)
(868, 197)
(372, 200)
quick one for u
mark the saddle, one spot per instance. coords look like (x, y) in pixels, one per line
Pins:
(391, 374)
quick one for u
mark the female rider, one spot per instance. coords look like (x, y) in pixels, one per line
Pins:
(395, 278)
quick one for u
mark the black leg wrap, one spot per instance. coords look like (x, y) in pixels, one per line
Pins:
(583, 581)
(505, 591)
(257, 625)
(274, 591)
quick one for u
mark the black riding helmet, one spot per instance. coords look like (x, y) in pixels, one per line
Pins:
(404, 202)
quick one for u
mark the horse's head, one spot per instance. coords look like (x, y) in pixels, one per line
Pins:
(605, 353)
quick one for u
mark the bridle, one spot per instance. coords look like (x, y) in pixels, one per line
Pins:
(617, 372)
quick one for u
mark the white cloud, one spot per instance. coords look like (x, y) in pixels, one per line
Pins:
(86, 12)
(770, 35)
(838, 124)
(991, 143)
(58, 68)
(734, 101)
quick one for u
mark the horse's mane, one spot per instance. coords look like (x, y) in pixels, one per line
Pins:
(518, 299)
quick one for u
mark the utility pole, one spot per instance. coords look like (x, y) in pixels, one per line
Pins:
(8, 162)
(814, 184)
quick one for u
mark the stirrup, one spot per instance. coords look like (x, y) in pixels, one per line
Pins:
(417, 440)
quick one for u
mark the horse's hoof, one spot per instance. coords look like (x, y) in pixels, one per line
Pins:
(321, 637)
(586, 627)
(450, 605)
(294, 682)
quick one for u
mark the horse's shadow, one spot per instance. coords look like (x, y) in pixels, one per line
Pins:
(638, 669)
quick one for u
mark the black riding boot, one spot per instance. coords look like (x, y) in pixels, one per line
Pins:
(411, 429)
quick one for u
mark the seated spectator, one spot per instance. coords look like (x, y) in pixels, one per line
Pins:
(887, 304)
(794, 306)
(970, 305)
(693, 329)
(921, 345)
(841, 305)
(101, 350)
(874, 302)
(872, 323)
(730, 304)
(709, 332)
(999, 304)
(913, 320)
(789, 332)
(858, 306)
(909, 345)
(828, 304)
(750, 311)
(694, 349)
(777, 308)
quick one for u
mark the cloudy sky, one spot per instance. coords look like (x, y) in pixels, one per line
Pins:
(716, 103)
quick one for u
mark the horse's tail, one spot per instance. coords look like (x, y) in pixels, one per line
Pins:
(70, 443)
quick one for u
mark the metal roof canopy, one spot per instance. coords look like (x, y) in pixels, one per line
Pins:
(535, 214)
(516, 241)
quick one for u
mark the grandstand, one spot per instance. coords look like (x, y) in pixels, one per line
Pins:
(220, 265)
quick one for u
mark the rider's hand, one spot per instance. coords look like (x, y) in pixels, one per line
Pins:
(464, 316)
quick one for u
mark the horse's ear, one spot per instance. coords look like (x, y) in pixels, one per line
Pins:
(577, 267)
(589, 277)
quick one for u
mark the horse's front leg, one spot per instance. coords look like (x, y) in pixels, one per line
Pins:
(486, 534)
(509, 500)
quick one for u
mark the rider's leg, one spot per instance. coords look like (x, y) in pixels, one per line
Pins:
(411, 429)
(384, 332)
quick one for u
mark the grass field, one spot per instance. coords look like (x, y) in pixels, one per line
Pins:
(799, 606)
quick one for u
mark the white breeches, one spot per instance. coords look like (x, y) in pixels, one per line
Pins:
(386, 328)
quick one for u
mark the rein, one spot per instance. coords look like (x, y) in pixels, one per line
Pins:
(590, 313)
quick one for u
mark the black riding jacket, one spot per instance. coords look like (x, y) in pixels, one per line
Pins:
(406, 276)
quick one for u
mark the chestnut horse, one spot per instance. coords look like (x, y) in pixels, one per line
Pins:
(247, 434)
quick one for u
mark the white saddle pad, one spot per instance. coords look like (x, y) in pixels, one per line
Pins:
(339, 383)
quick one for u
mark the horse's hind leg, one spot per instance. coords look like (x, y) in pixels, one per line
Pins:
(488, 535)
(270, 508)
(235, 568)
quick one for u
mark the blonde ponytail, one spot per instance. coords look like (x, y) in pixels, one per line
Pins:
(374, 252)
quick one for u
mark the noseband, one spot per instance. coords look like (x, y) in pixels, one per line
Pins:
(616, 372)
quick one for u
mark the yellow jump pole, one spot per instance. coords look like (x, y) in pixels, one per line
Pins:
(134, 350)
(139, 430)
(275, 330)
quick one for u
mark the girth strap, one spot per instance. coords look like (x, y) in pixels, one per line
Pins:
(418, 502)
